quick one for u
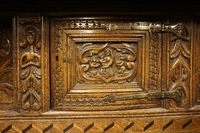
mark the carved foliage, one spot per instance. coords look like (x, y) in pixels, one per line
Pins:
(107, 63)
(180, 65)
(6, 87)
(30, 67)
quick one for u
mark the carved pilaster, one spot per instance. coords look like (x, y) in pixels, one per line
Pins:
(33, 88)
(180, 64)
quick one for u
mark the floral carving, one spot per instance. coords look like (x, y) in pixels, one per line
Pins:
(107, 63)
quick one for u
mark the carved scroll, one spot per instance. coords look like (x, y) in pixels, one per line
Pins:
(107, 63)
(6, 81)
(31, 59)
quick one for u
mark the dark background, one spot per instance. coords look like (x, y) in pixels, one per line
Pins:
(98, 5)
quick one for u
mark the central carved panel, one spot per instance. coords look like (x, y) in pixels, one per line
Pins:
(107, 63)
(88, 63)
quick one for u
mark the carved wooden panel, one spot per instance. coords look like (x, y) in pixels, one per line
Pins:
(33, 82)
(180, 62)
(106, 74)
(89, 63)
(7, 90)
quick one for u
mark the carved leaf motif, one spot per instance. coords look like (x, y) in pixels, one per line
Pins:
(25, 74)
(185, 51)
(176, 49)
(31, 97)
(179, 49)
(89, 50)
(36, 74)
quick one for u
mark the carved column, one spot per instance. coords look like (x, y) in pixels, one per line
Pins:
(33, 67)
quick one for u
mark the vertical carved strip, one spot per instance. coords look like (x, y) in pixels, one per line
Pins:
(32, 58)
(57, 38)
(180, 64)
(153, 66)
(196, 66)
(6, 61)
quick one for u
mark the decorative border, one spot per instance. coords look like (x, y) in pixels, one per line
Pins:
(144, 124)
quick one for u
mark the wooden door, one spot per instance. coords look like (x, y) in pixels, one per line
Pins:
(137, 73)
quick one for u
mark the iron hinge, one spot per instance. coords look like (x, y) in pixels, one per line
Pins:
(150, 95)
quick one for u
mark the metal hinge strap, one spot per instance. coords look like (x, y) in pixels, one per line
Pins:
(177, 29)
(150, 95)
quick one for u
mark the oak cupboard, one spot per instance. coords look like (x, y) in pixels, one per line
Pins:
(99, 71)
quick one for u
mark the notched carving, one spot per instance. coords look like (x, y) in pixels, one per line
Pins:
(35, 19)
(107, 63)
